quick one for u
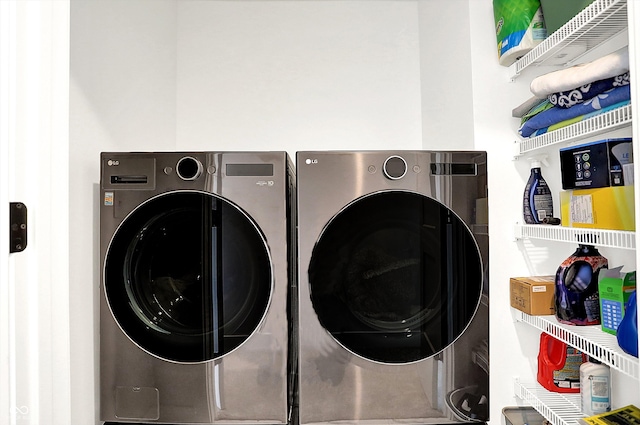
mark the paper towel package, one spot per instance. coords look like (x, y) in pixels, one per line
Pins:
(519, 28)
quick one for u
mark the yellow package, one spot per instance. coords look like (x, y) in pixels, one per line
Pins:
(610, 208)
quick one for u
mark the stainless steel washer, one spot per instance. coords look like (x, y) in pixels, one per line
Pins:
(392, 282)
(196, 249)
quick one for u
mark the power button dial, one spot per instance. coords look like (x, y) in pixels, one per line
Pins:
(394, 167)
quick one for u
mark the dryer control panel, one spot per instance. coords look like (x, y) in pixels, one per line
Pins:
(128, 172)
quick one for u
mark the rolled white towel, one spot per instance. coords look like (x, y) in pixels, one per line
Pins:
(607, 66)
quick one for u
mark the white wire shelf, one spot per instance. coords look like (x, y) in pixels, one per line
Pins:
(557, 408)
(608, 121)
(597, 23)
(598, 237)
(591, 340)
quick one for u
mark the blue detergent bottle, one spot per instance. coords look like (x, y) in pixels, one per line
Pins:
(627, 332)
(537, 202)
(576, 296)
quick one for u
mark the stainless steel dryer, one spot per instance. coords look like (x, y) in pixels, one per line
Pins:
(393, 257)
(196, 250)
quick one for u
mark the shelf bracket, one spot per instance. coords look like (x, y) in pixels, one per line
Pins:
(516, 150)
(517, 232)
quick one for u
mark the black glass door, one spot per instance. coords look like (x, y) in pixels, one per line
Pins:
(395, 277)
(188, 276)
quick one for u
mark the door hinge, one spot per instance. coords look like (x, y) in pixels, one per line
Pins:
(18, 226)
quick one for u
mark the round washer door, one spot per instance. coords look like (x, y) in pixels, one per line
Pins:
(187, 276)
(395, 277)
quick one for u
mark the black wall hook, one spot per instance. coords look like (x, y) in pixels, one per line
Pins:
(18, 227)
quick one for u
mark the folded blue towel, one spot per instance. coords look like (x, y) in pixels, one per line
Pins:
(556, 126)
(557, 114)
(541, 106)
(569, 98)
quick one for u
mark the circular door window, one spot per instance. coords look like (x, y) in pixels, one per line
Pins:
(395, 277)
(188, 276)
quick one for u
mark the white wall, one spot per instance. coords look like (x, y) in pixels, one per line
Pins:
(34, 317)
(293, 76)
(445, 74)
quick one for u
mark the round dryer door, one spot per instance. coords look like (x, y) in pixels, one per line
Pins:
(188, 276)
(395, 277)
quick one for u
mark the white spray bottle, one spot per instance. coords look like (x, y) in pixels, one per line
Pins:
(595, 387)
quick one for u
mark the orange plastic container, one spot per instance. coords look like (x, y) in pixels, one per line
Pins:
(559, 365)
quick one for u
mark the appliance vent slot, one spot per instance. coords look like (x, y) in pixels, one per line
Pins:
(128, 179)
(447, 169)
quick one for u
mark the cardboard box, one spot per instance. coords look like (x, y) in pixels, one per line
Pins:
(602, 163)
(614, 288)
(535, 295)
(609, 208)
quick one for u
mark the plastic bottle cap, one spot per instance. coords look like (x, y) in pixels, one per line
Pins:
(536, 164)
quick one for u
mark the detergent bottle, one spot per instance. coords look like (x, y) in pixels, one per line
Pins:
(576, 295)
(559, 365)
(627, 333)
(595, 387)
(537, 203)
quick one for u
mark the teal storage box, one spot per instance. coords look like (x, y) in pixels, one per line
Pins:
(614, 288)
(556, 13)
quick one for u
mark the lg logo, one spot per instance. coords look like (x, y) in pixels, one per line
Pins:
(112, 163)
(311, 161)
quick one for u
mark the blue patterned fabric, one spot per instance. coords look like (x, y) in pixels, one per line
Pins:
(543, 130)
(569, 98)
(557, 114)
(542, 106)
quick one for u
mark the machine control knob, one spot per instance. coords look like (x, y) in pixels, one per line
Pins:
(395, 167)
(189, 168)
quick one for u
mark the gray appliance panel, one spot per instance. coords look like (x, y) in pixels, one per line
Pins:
(247, 385)
(339, 385)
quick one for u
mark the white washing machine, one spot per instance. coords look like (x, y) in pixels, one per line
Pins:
(393, 258)
(197, 250)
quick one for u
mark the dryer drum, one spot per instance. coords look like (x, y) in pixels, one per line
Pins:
(188, 276)
(395, 277)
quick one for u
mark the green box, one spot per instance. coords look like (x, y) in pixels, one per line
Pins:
(614, 289)
(556, 13)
